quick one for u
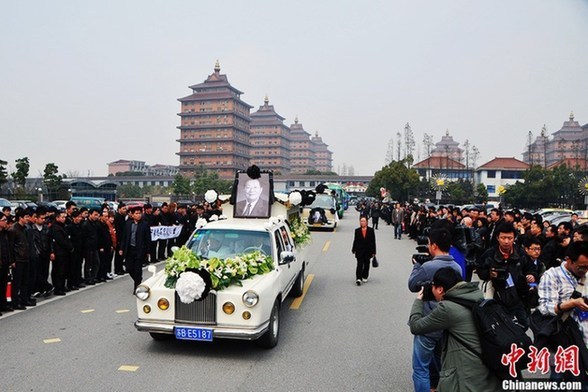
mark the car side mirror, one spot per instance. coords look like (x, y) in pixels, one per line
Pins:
(287, 257)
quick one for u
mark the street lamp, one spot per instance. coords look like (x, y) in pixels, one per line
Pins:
(40, 194)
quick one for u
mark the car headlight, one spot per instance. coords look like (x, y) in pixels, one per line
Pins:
(142, 292)
(250, 298)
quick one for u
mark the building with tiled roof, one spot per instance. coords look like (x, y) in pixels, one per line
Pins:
(302, 154)
(270, 140)
(442, 166)
(572, 163)
(448, 147)
(215, 128)
(323, 156)
(500, 172)
(570, 141)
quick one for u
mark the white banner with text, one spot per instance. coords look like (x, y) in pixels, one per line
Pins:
(165, 232)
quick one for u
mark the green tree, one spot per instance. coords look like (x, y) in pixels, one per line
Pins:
(51, 179)
(205, 180)
(401, 181)
(3, 173)
(181, 185)
(22, 172)
(129, 191)
(481, 193)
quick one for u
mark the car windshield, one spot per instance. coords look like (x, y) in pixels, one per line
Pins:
(209, 243)
(323, 201)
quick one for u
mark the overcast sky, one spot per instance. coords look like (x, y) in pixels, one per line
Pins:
(86, 83)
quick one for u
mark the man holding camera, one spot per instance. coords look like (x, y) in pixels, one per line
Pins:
(504, 265)
(426, 358)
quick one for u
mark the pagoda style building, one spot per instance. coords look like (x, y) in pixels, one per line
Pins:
(568, 144)
(215, 128)
(302, 155)
(270, 140)
(448, 148)
(323, 156)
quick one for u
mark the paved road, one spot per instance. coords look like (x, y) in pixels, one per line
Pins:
(341, 338)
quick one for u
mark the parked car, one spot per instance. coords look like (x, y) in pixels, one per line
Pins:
(249, 310)
(322, 213)
(88, 202)
(4, 203)
(48, 205)
(60, 204)
(23, 204)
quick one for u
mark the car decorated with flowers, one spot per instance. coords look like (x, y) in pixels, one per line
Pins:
(229, 280)
(321, 213)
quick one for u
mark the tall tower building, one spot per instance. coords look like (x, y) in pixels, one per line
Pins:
(215, 128)
(448, 148)
(323, 156)
(270, 140)
(302, 156)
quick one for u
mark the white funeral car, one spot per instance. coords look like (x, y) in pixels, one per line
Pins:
(250, 311)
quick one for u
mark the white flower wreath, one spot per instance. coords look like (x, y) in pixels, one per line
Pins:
(211, 196)
(295, 198)
(190, 287)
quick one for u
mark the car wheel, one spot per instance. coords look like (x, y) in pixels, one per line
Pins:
(270, 338)
(160, 336)
(298, 287)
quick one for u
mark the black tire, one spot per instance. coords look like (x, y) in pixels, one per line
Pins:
(161, 336)
(298, 288)
(270, 338)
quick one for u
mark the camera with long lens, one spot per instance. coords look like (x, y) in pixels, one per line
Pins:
(422, 256)
(428, 291)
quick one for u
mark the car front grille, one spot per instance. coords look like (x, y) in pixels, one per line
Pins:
(203, 312)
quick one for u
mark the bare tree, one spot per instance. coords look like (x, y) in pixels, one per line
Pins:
(409, 142)
(398, 145)
(390, 152)
(427, 144)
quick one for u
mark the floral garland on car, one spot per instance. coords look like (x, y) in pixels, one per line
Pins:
(223, 273)
(300, 233)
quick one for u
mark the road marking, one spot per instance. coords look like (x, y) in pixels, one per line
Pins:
(326, 247)
(88, 311)
(122, 311)
(128, 368)
(298, 301)
(53, 340)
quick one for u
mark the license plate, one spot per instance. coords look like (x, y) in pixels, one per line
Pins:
(189, 333)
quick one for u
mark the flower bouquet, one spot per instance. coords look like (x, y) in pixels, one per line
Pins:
(300, 233)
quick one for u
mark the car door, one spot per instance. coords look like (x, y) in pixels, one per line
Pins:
(287, 271)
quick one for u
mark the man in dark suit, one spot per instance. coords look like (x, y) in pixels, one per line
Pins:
(364, 248)
(135, 245)
(253, 205)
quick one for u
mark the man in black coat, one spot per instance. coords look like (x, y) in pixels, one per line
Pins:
(18, 251)
(364, 248)
(61, 250)
(120, 218)
(135, 245)
(90, 234)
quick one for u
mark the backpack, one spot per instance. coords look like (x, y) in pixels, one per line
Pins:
(497, 330)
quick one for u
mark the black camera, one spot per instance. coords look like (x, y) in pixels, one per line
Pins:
(502, 273)
(423, 256)
(428, 291)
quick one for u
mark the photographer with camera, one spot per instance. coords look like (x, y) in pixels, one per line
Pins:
(461, 368)
(426, 358)
(503, 266)
(562, 292)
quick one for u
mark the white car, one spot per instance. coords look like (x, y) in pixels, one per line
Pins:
(250, 311)
(322, 213)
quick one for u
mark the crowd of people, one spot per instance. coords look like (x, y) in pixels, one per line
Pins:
(535, 270)
(48, 252)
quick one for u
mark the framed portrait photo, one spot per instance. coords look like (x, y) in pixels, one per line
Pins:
(253, 197)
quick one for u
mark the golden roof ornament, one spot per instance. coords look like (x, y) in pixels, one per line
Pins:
(296, 120)
(572, 115)
(266, 100)
(217, 66)
(447, 132)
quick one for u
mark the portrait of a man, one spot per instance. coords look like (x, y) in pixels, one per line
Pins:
(253, 197)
